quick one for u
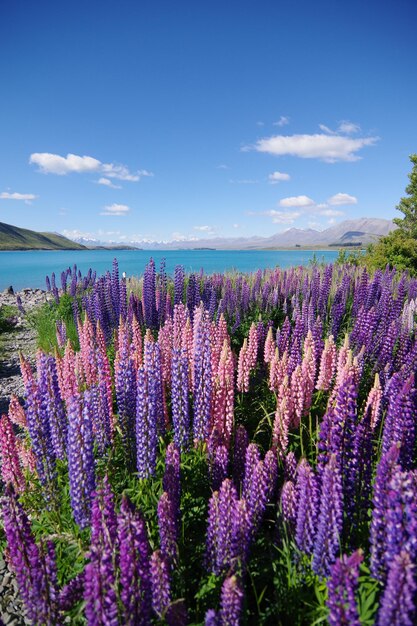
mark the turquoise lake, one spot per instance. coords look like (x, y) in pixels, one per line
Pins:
(29, 268)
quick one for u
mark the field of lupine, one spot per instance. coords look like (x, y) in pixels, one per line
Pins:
(218, 450)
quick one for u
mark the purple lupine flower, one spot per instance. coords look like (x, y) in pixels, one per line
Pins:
(401, 516)
(155, 385)
(211, 618)
(71, 592)
(81, 466)
(242, 530)
(97, 410)
(202, 379)
(149, 295)
(219, 466)
(40, 435)
(168, 528)
(179, 398)
(162, 293)
(308, 507)
(178, 284)
(100, 576)
(226, 512)
(135, 580)
(289, 504)
(342, 588)
(290, 466)
(230, 602)
(171, 482)
(125, 384)
(115, 288)
(330, 521)
(51, 405)
(252, 458)
(239, 454)
(146, 430)
(61, 333)
(400, 420)
(48, 283)
(30, 566)
(384, 472)
(397, 607)
(161, 584)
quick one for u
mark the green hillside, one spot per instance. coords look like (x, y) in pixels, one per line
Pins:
(14, 238)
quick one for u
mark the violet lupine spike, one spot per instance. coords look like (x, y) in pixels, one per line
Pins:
(230, 602)
(146, 429)
(71, 593)
(81, 464)
(239, 454)
(384, 472)
(226, 513)
(52, 406)
(330, 521)
(289, 504)
(180, 399)
(96, 408)
(219, 466)
(155, 385)
(202, 379)
(40, 435)
(342, 588)
(252, 458)
(400, 420)
(178, 284)
(28, 563)
(135, 579)
(398, 604)
(125, 385)
(149, 295)
(161, 584)
(100, 575)
(211, 618)
(308, 507)
(168, 528)
(401, 516)
(11, 470)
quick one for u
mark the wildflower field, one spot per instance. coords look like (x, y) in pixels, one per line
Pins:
(217, 449)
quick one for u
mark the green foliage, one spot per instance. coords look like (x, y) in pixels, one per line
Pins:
(44, 319)
(399, 248)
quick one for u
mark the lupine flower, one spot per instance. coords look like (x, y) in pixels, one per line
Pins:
(179, 398)
(40, 435)
(51, 405)
(161, 587)
(202, 379)
(397, 607)
(327, 365)
(146, 429)
(243, 371)
(168, 528)
(211, 618)
(223, 412)
(330, 521)
(71, 592)
(32, 573)
(373, 403)
(289, 504)
(401, 516)
(80, 461)
(135, 594)
(100, 576)
(252, 458)
(219, 466)
(342, 588)
(11, 470)
(16, 412)
(239, 454)
(308, 507)
(399, 424)
(230, 602)
(377, 536)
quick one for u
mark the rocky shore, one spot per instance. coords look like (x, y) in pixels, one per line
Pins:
(21, 337)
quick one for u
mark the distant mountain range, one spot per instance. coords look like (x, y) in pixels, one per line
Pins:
(349, 233)
(15, 238)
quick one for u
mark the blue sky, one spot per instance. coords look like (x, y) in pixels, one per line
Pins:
(162, 120)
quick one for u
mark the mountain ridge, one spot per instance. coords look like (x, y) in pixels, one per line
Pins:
(15, 238)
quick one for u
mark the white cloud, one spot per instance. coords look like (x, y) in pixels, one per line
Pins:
(329, 148)
(204, 229)
(236, 225)
(327, 130)
(115, 209)
(27, 197)
(329, 212)
(77, 234)
(107, 183)
(297, 201)
(277, 177)
(55, 164)
(348, 128)
(222, 166)
(283, 121)
(283, 217)
(260, 123)
(341, 199)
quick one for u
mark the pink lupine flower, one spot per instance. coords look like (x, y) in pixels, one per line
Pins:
(298, 394)
(252, 346)
(11, 471)
(342, 359)
(165, 340)
(79, 370)
(179, 321)
(278, 370)
(270, 347)
(224, 395)
(327, 368)
(25, 369)
(308, 369)
(16, 412)
(68, 372)
(104, 372)
(373, 403)
(243, 369)
(26, 455)
(87, 350)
